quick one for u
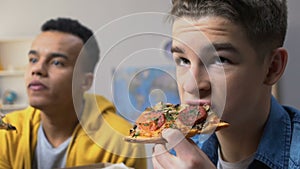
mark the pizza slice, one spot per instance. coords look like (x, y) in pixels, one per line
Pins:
(191, 120)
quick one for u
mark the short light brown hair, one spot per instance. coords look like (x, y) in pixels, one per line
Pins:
(264, 21)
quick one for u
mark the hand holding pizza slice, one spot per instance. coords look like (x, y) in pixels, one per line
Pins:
(191, 120)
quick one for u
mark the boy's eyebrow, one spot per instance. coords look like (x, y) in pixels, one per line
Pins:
(32, 52)
(214, 47)
(52, 55)
(225, 46)
(176, 49)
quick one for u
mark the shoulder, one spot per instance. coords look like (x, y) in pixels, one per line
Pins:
(21, 118)
(100, 110)
(13, 141)
(99, 102)
(295, 138)
(293, 112)
(294, 117)
(117, 122)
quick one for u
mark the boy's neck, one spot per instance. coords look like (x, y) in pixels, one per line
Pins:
(59, 128)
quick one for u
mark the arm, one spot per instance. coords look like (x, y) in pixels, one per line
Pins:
(189, 155)
(137, 158)
(4, 155)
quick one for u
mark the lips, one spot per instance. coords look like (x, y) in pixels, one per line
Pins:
(36, 86)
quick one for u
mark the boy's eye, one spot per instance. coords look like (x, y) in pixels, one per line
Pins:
(57, 63)
(33, 60)
(222, 60)
(182, 61)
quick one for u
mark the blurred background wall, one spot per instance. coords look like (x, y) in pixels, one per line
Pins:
(23, 19)
(125, 28)
(290, 82)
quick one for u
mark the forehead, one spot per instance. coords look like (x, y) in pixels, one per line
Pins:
(207, 30)
(54, 41)
(209, 26)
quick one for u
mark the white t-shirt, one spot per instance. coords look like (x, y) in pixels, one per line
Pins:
(48, 157)
(238, 165)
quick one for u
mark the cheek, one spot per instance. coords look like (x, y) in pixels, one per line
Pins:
(180, 82)
(67, 82)
(27, 76)
(180, 91)
(238, 91)
(62, 82)
(227, 86)
(183, 75)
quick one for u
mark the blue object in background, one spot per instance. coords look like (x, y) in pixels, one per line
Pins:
(9, 97)
(136, 88)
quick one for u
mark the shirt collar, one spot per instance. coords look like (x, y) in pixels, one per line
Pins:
(273, 148)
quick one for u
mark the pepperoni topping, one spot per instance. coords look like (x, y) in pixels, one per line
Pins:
(192, 115)
(151, 121)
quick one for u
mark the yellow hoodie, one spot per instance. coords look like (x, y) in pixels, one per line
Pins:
(98, 138)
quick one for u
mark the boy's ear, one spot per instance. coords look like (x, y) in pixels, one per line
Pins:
(277, 63)
(87, 81)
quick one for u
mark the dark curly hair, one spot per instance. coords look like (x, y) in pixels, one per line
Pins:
(73, 27)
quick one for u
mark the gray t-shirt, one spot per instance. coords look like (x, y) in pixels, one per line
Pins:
(46, 156)
(237, 165)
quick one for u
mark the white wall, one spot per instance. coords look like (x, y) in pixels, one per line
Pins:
(23, 19)
(290, 83)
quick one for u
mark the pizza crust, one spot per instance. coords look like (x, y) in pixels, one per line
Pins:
(145, 140)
